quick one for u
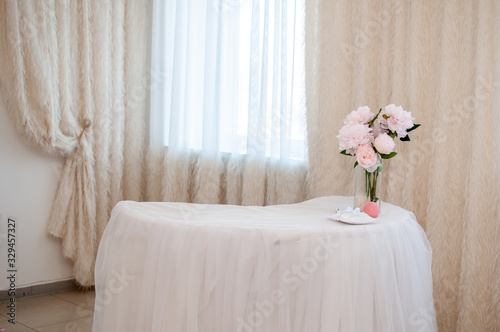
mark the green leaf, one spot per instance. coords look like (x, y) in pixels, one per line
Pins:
(355, 164)
(392, 135)
(415, 126)
(405, 139)
(345, 153)
(388, 156)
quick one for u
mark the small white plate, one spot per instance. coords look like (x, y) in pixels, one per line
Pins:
(353, 217)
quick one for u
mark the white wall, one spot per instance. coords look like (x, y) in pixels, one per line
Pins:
(28, 183)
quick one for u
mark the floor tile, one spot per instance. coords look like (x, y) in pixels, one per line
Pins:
(80, 325)
(84, 299)
(47, 310)
(14, 327)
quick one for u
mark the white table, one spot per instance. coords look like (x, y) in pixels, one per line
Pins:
(188, 267)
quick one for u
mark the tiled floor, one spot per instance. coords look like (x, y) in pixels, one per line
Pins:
(58, 312)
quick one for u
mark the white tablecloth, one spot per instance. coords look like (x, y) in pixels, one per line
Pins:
(189, 267)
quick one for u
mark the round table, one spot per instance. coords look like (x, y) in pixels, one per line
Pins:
(195, 267)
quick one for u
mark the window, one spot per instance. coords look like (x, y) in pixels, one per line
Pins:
(234, 77)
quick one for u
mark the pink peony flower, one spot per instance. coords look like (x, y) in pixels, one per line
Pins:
(361, 116)
(384, 144)
(352, 136)
(367, 157)
(398, 120)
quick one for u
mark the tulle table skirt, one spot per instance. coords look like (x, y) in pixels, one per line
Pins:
(220, 268)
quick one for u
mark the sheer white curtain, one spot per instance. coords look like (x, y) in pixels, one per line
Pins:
(233, 77)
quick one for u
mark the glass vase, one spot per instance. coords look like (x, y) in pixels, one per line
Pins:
(367, 187)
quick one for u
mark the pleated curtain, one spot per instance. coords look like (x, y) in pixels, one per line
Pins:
(441, 61)
(65, 63)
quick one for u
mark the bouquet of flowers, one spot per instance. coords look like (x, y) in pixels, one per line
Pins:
(370, 138)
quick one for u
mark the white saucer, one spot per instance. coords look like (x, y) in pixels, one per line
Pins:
(353, 217)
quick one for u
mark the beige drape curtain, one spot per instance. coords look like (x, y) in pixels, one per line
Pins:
(63, 61)
(441, 61)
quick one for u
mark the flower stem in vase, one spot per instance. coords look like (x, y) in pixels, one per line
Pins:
(373, 197)
(367, 184)
(366, 187)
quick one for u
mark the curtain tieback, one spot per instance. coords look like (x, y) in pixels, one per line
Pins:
(86, 123)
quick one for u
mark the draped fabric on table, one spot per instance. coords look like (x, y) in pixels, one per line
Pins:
(440, 60)
(281, 268)
(63, 61)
